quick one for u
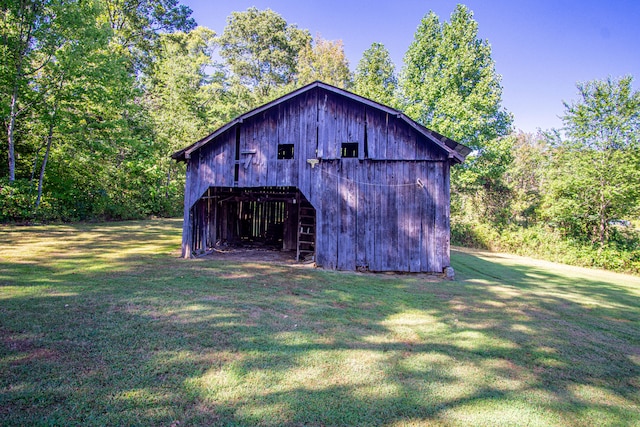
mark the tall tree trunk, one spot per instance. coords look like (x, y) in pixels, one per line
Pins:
(36, 158)
(12, 125)
(44, 161)
(26, 33)
(11, 130)
(52, 125)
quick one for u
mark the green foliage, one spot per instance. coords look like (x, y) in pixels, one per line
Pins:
(525, 176)
(450, 85)
(86, 138)
(16, 200)
(526, 196)
(594, 176)
(137, 25)
(262, 49)
(30, 37)
(558, 197)
(482, 183)
(470, 234)
(375, 76)
(181, 104)
(621, 253)
(324, 60)
(449, 82)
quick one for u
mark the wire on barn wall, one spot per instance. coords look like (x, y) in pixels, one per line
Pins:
(418, 181)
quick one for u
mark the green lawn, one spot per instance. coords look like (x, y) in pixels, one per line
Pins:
(103, 324)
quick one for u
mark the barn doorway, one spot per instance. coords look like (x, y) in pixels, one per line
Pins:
(277, 218)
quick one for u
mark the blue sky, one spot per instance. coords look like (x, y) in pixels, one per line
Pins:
(542, 48)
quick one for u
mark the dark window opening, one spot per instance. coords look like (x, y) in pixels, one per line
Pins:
(349, 149)
(236, 173)
(285, 151)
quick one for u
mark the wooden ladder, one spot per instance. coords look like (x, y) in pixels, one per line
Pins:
(306, 231)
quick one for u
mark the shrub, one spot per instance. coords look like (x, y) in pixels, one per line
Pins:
(16, 200)
(621, 253)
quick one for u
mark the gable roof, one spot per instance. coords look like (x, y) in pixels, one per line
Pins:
(457, 151)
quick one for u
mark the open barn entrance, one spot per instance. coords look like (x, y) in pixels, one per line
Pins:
(279, 218)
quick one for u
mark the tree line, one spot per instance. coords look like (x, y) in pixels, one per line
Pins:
(96, 94)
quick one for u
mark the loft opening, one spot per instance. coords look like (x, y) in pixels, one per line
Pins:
(285, 151)
(349, 150)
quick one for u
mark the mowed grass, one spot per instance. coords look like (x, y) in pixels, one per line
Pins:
(103, 324)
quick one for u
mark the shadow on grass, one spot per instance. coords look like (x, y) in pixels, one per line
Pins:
(146, 338)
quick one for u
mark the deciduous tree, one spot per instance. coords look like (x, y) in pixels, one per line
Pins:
(375, 76)
(184, 94)
(262, 49)
(326, 61)
(28, 45)
(137, 25)
(449, 82)
(595, 174)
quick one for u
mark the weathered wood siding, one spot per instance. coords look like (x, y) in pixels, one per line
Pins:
(373, 215)
(385, 210)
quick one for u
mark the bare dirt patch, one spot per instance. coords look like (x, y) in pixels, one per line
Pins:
(254, 254)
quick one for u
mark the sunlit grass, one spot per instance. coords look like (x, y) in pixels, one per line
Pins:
(103, 324)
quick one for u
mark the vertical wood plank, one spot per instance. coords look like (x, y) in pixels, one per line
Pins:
(268, 149)
(186, 222)
(403, 208)
(246, 133)
(428, 218)
(347, 204)
(445, 206)
(447, 194)
(323, 119)
(415, 215)
(370, 208)
(380, 217)
(375, 263)
(332, 117)
(392, 138)
(277, 170)
(315, 197)
(296, 138)
(390, 222)
(377, 133)
(363, 210)
(288, 132)
(427, 150)
(308, 141)
(224, 160)
(408, 141)
(327, 219)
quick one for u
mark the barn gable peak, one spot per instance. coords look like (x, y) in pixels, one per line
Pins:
(455, 151)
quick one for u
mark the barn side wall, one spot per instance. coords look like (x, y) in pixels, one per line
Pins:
(385, 210)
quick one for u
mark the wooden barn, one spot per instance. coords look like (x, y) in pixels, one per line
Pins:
(335, 177)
